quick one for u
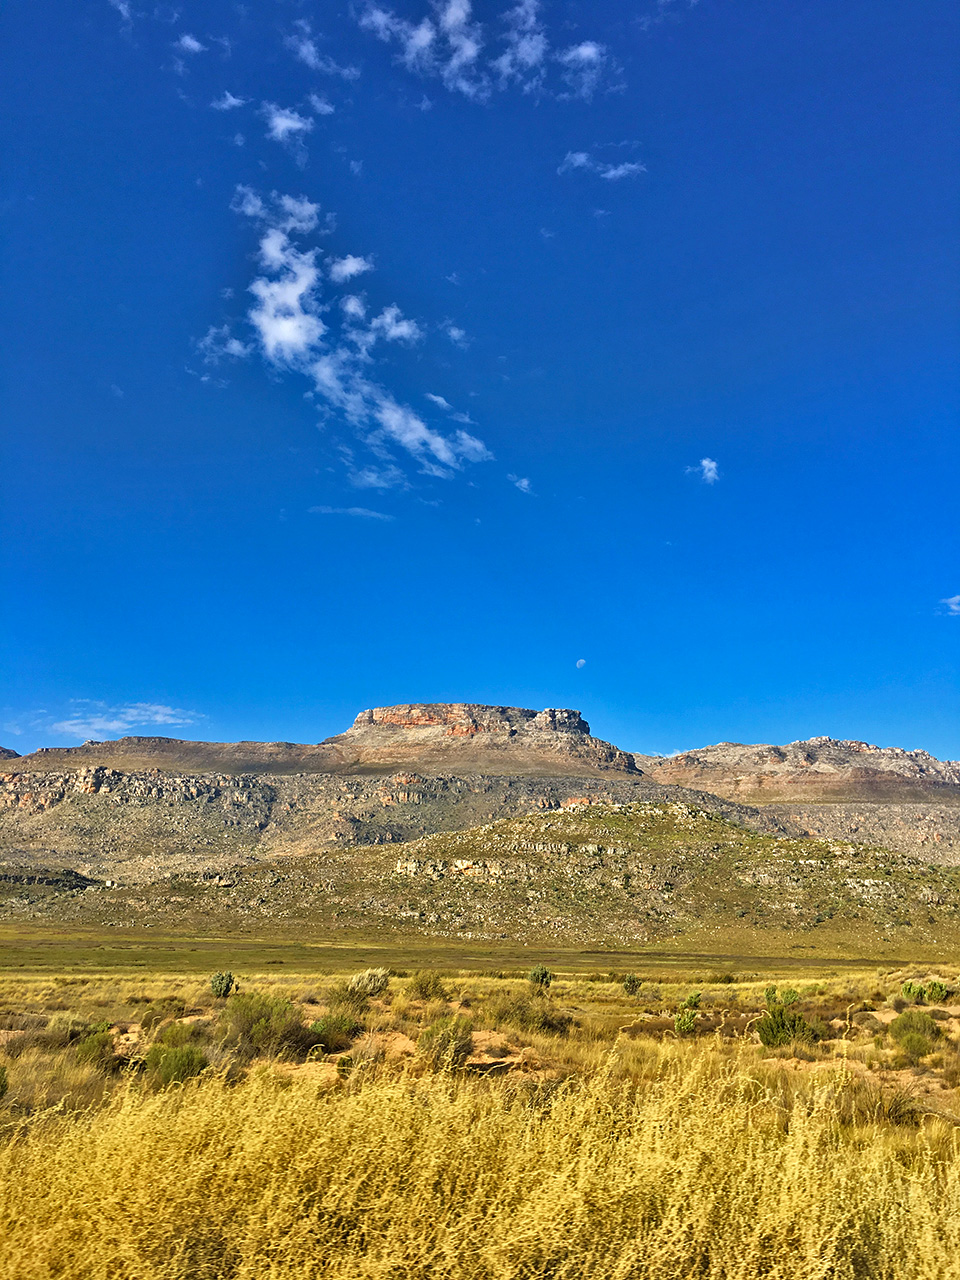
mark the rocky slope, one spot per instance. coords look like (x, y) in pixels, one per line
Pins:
(814, 771)
(602, 874)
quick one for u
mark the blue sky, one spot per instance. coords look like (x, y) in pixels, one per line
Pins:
(547, 354)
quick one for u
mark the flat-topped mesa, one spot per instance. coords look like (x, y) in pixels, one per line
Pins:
(466, 737)
(827, 769)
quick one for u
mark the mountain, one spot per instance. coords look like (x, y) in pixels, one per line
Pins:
(814, 771)
(426, 737)
(602, 874)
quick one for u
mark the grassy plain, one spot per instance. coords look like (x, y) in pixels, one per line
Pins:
(582, 1131)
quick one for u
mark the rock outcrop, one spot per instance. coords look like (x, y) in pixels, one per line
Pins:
(817, 770)
(447, 737)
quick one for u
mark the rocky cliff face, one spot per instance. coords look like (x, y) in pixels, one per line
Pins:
(450, 737)
(811, 771)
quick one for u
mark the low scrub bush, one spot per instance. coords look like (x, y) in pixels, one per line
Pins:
(427, 985)
(96, 1050)
(446, 1044)
(632, 983)
(782, 1024)
(177, 1034)
(256, 1024)
(685, 1023)
(527, 1014)
(161, 1011)
(937, 992)
(540, 977)
(222, 984)
(175, 1063)
(372, 982)
(335, 1032)
(914, 1022)
(914, 991)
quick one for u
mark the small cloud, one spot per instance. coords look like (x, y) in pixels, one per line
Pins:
(363, 513)
(581, 663)
(228, 102)
(322, 106)
(439, 401)
(452, 278)
(239, 140)
(304, 48)
(952, 606)
(707, 469)
(356, 167)
(388, 477)
(219, 344)
(342, 269)
(116, 391)
(575, 160)
(522, 483)
(586, 163)
(456, 335)
(96, 719)
(283, 124)
(190, 44)
(353, 307)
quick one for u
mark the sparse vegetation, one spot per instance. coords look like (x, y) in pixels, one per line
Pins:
(540, 978)
(446, 1044)
(221, 984)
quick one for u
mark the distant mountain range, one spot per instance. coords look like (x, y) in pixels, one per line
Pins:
(139, 810)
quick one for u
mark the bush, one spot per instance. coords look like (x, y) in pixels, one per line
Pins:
(96, 1050)
(372, 982)
(914, 1022)
(446, 1045)
(692, 1001)
(780, 1025)
(632, 983)
(426, 985)
(161, 1010)
(685, 1023)
(915, 1045)
(540, 977)
(181, 1033)
(221, 984)
(262, 1024)
(175, 1063)
(527, 1014)
(937, 992)
(345, 998)
(334, 1032)
(914, 991)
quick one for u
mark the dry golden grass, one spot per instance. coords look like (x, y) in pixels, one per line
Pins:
(700, 1170)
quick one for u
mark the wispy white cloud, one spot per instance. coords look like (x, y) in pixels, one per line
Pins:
(585, 162)
(303, 45)
(707, 469)
(342, 269)
(286, 126)
(189, 44)
(952, 606)
(320, 105)
(456, 335)
(123, 8)
(522, 483)
(227, 102)
(439, 401)
(286, 320)
(90, 719)
(580, 663)
(219, 343)
(449, 44)
(363, 513)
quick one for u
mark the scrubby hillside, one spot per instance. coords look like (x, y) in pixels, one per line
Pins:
(616, 875)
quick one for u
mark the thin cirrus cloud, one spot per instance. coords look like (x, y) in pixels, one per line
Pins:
(303, 45)
(91, 719)
(361, 513)
(451, 46)
(295, 329)
(584, 162)
(228, 102)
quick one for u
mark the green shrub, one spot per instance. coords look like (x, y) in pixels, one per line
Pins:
(527, 1014)
(161, 1010)
(685, 1023)
(914, 1022)
(177, 1034)
(540, 977)
(372, 982)
(780, 1025)
(96, 1050)
(222, 984)
(427, 985)
(334, 1032)
(914, 991)
(260, 1024)
(446, 1044)
(937, 992)
(692, 1001)
(345, 998)
(632, 983)
(915, 1045)
(172, 1064)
